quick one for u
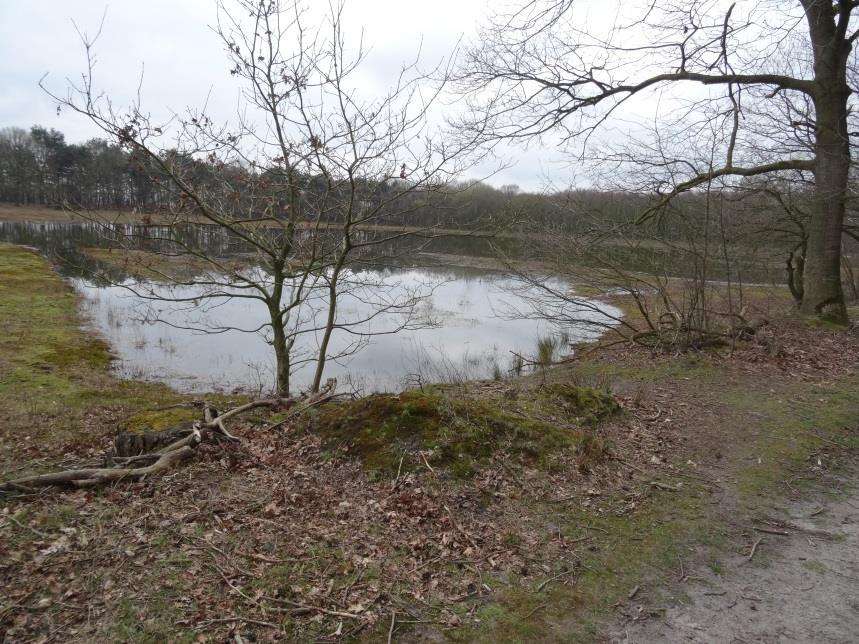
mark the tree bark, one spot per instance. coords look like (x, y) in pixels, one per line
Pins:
(823, 297)
(281, 354)
(329, 330)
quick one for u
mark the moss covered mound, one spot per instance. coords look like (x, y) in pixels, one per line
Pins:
(579, 404)
(453, 433)
(160, 419)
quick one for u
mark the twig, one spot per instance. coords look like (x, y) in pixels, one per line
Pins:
(551, 579)
(271, 560)
(221, 620)
(534, 610)
(391, 629)
(305, 608)
(399, 469)
(424, 565)
(664, 486)
(427, 463)
(782, 533)
(26, 527)
(754, 548)
(653, 418)
(631, 465)
(456, 525)
(512, 473)
(233, 586)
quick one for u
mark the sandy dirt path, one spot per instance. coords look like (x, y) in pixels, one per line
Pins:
(802, 586)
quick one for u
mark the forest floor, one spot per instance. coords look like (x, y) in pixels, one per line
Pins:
(528, 509)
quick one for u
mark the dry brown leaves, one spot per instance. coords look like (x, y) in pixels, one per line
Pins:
(278, 540)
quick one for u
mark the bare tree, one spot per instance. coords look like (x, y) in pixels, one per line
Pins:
(546, 69)
(306, 184)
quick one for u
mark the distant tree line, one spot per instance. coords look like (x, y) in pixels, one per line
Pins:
(40, 168)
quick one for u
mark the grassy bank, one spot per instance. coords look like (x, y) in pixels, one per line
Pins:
(522, 510)
(56, 389)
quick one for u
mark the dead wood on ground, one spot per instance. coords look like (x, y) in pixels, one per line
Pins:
(136, 456)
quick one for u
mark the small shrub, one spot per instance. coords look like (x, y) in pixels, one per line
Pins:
(546, 351)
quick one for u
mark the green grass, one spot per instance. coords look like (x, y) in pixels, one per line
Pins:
(56, 388)
(789, 427)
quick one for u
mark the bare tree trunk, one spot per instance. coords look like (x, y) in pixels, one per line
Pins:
(280, 344)
(823, 296)
(329, 329)
(332, 308)
(281, 353)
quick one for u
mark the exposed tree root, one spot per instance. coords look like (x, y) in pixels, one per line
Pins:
(97, 476)
(136, 456)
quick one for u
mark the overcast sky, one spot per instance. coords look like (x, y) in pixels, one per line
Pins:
(183, 60)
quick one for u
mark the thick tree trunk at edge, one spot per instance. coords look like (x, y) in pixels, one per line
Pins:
(823, 296)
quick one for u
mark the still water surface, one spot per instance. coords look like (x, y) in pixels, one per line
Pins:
(470, 335)
(470, 330)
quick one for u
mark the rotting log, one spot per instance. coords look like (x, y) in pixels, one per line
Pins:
(136, 458)
(96, 476)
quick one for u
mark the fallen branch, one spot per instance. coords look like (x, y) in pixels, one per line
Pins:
(664, 486)
(551, 579)
(754, 549)
(783, 533)
(38, 533)
(95, 476)
(460, 530)
(221, 620)
(136, 456)
(313, 402)
(391, 629)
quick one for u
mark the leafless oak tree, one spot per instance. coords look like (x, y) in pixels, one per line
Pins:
(566, 67)
(305, 182)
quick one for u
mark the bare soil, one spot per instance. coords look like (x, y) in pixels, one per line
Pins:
(793, 577)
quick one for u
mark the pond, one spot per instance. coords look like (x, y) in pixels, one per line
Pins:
(470, 324)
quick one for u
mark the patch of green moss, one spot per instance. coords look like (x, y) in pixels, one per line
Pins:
(160, 419)
(454, 433)
(92, 353)
(792, 426)
(581, 404)
(830, 323)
